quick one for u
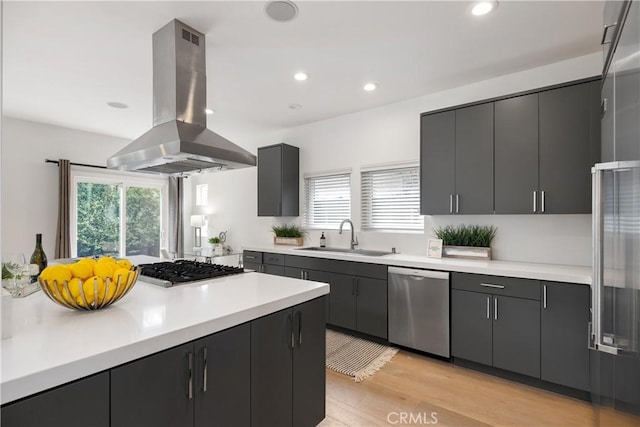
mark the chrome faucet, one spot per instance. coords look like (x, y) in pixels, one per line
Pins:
(354, 239)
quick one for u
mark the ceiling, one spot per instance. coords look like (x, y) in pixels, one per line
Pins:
(63, 61)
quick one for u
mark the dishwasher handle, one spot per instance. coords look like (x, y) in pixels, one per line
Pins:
(429, 274)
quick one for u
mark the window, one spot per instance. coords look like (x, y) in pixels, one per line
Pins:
(202, 193)
(327, 200)
(391, 199)
(117, 215)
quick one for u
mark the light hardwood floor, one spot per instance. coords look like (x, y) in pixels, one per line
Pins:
(419, 386)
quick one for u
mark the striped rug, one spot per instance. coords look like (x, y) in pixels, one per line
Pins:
(356, 357)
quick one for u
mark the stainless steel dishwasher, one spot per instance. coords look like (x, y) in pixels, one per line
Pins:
(419, 309)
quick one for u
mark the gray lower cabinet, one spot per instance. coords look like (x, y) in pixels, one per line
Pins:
(516, 335)
(268, 263)
(278, 180)
(288, 366)
(200, 383)
(83, 403)
(564, 323)
(471, 326)
(342, 300)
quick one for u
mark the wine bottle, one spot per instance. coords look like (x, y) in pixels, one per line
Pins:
(323, 241)
(38, 257)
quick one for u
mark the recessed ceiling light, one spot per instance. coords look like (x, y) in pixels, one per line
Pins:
(301, 76)
(118, 105)
(295, 106)
(209, 111)
(483, 7)
(370, 87)
(281, 10)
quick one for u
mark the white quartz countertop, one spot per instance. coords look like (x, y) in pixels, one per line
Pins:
(551, 272)
(51, 345)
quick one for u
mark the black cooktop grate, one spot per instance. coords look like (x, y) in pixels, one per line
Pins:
(184, 271)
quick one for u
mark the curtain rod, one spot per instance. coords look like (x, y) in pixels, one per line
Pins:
(76, 164)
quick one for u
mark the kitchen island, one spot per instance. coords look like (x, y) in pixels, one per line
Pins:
(51, 345)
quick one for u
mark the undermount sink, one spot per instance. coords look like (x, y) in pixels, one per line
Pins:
(366, 252)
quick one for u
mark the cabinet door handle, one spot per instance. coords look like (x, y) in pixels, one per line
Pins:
(293, 338)
(301, 274)
(450, 203)
(299, 328)
(306, 275)
(204, 369)
(190, 374)
(535, 201)
(542, 201)
(489, 285)
(544, 296)
(495, 308)
(605, 32)
(457, 203)
(261, 268)
(250, 257)
(488, 308)
(603, 107)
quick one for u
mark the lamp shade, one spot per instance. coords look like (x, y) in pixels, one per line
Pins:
(197, 220)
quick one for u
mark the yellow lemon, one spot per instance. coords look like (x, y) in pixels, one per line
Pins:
(89, 288)
(56, 273)
(103, 270)
(121, 273)
(124, 263)
(81, 270)
(108, 295)
(74, 286)
(89, 261)
(107, 259)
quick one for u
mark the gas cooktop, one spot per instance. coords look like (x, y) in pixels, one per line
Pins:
(184, 271)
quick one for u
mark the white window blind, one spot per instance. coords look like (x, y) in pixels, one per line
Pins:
(391, 199)
(327, 200)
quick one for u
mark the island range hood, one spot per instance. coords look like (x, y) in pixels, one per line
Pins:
(179, 142)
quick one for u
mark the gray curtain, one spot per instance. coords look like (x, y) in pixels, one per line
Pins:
(63, 239)
(176, 214)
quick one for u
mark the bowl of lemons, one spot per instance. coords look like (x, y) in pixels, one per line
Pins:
(89, 284)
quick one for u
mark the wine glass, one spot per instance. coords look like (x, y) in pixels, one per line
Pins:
(16, 264)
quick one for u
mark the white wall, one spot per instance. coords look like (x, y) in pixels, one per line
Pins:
(391, 134)
(30, 186)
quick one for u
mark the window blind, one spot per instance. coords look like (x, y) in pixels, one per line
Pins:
(327, 200)
(391, 199)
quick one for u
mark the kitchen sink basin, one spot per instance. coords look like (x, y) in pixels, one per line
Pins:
(365, 252)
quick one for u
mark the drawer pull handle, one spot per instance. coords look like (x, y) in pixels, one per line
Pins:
(495, 308)
(605, 32)
(251, 257)
(489, 285)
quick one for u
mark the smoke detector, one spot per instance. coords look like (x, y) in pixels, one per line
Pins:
(281, 10)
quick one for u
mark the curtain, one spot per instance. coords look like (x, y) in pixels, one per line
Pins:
(63, 239)
(176, 228)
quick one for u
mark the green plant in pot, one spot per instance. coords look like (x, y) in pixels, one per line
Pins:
(466, 241)
(288, 235)
(214, 240)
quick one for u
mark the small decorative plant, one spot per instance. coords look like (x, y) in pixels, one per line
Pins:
(288, 235)
(214, 240)
(466, 235)
(287, 231)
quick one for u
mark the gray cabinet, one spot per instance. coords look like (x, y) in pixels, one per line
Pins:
(474, 160)
(342, 301)
(564, 331)
(371, 306)
(496, 321)
(565, 153)
(456, 155)
(278, 180)
(268, 263)
(529, 153)
(82, 403)
(437, 163)
(516, 144)
(199, 383)
(287, 366)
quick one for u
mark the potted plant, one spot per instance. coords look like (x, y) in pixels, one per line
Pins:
(216, 242)
(288, 235)
(466, 241)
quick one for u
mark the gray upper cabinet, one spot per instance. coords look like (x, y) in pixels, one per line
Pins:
(437, 163)
(278, 180)
(524, 154)
(516, 144)
(474, 160)
(565, 153)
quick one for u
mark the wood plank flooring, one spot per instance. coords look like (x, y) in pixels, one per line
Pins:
(419, 386)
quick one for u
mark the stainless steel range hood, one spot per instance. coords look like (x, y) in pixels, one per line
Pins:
(179, 141)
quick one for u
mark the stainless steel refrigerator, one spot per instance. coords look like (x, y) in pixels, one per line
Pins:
(615, 332)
